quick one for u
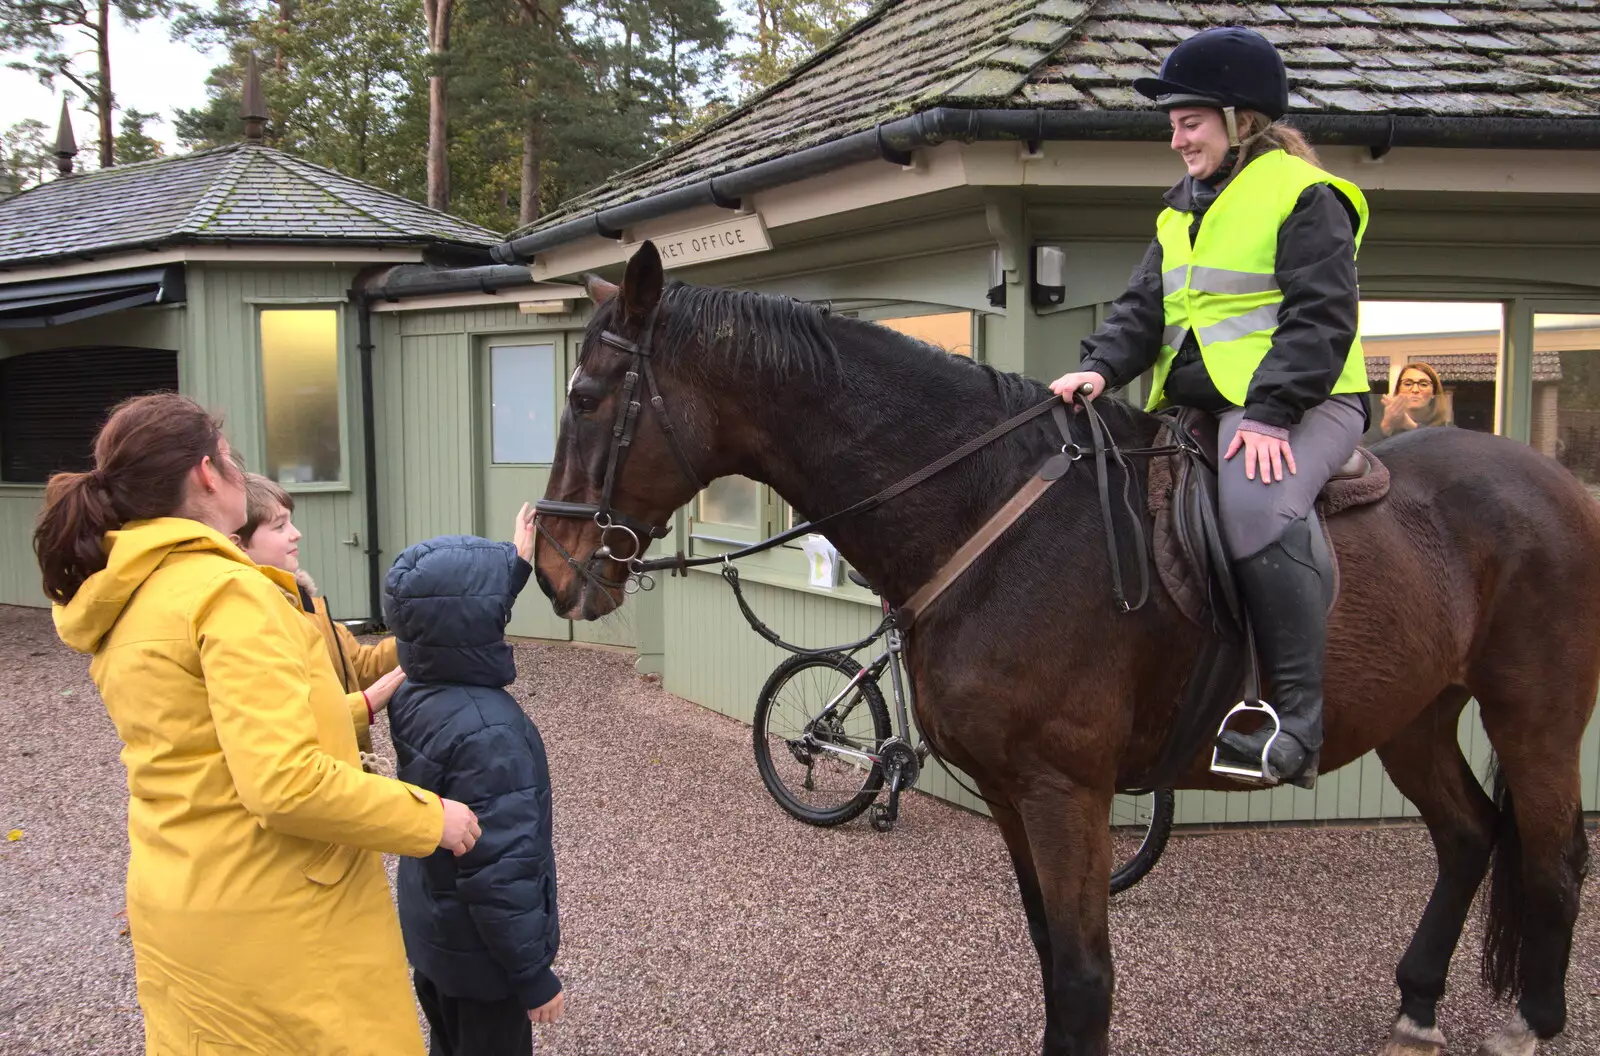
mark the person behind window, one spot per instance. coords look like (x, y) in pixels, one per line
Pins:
(1418, 401)
(257, 901)
(1246, 306)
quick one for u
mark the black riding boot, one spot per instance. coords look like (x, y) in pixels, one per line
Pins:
(1285, 594)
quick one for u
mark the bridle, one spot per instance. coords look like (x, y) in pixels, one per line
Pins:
(618, 529)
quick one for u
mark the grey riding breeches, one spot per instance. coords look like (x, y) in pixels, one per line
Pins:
(1255, 515)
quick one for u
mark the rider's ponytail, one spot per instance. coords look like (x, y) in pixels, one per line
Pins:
(1258, 134)
(142, 457)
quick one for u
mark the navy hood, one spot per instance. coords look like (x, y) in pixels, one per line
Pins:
(447, 601)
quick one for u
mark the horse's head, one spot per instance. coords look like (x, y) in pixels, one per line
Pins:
(629, 452)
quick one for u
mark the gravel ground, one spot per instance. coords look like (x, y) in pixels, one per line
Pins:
(698, 918)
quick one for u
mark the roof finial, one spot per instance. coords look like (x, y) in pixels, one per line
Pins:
(253, 110)
(66, 145)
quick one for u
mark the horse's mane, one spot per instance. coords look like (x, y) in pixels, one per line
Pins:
(709, 328)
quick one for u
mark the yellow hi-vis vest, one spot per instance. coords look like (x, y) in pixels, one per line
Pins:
(1224, 287)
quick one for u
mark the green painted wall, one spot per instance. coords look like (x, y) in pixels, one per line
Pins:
(427, 394)
(221, 368)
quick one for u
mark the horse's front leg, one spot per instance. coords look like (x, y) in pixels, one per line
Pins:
(1070, 842)
(1016, 837)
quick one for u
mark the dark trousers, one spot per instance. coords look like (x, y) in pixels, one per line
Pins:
(462, 1027)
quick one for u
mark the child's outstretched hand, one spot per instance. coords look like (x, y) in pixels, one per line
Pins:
(522, 534)
(551, 1011)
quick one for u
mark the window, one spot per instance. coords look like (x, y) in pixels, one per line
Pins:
(1566, 393)
(52, 404)
(951, 331)
(300, 395)
(1432, 363)
(522, 386)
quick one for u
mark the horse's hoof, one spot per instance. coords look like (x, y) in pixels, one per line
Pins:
(1409, 1039)
(1513, 1039)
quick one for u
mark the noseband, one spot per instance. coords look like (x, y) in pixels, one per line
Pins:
(618, 529)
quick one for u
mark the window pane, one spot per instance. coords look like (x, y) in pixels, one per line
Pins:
(1432, 363)
(951, 331)
(732, 500)
(1566, 393)
(300, 392)
(522, 385)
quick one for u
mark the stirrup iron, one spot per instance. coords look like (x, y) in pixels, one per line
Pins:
(1262, 773)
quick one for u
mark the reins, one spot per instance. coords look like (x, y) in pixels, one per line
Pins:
(635, 533)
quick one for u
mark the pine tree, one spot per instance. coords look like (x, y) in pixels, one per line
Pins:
(133, 142)
(53, 34)
(25, 156)
(786, 33)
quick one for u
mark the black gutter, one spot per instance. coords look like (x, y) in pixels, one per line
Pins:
(894, 141)
(369, 453)
(423, 280)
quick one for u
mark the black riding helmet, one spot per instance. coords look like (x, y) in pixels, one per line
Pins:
(1223, 67)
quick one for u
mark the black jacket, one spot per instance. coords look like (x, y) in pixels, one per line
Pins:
(482, 926)
(1316, 269)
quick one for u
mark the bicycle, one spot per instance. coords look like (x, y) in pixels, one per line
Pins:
(825, 746)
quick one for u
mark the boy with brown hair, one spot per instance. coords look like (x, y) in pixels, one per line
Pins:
(370, 673)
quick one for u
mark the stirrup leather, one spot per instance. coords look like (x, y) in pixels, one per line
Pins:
(1261, 773)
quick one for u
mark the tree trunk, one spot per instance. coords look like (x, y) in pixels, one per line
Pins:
(438, 13)
(532, 166)
(108, 138)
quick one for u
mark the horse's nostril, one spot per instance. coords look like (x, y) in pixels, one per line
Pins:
(544, 585)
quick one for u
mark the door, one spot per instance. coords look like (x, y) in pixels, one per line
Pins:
(521, 384)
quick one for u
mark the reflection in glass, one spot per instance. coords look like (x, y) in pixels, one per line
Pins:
(1432, 363)
(1566, 393)
(300, 394)
(731, 500)
(522, 387)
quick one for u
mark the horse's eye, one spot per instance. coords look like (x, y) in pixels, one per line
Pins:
(584, 404)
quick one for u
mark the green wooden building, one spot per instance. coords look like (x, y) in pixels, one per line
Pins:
(977, 174)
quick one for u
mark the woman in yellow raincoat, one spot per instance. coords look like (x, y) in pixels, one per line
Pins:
(257, 904)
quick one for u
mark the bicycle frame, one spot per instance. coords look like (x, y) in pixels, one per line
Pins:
(902, 762)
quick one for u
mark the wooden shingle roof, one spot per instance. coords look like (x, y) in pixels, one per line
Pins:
(236, 193)
(1432, 58)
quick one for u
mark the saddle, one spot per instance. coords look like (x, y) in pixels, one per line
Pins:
(1187, 549)
(1194, 566)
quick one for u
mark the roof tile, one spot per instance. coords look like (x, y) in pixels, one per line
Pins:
(236, 192)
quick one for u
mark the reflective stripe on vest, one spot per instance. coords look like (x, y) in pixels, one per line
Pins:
(1224, 286)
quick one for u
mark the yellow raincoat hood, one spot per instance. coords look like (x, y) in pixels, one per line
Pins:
(133, 554)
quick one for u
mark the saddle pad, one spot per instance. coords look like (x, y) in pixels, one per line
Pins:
(1186, 575)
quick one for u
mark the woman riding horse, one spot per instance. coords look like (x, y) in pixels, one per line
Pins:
(1246, 305)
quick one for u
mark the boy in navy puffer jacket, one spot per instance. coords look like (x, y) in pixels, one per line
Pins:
(480, 930)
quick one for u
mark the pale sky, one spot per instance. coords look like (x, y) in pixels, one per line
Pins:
(149, 72)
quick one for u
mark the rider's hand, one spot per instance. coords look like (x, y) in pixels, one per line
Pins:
(379, 692)
(1268, 452)
(460, 828)
(1067, 385)
(551, 1011)
(522, 534)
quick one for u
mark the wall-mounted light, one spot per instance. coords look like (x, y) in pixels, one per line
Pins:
(1049, 275)
(997, 278)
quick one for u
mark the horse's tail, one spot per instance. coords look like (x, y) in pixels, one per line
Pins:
(1502, 932)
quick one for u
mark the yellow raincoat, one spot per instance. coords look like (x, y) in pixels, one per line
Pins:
(259, 911)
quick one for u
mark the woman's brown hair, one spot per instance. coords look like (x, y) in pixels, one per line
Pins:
(142, 457)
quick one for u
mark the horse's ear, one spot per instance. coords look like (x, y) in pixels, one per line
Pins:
(641, 283)
(600, 291)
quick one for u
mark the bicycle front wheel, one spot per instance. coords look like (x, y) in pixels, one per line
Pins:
(818, 724)
(1140, 826)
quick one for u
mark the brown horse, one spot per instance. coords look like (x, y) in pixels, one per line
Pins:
(1028, 680)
